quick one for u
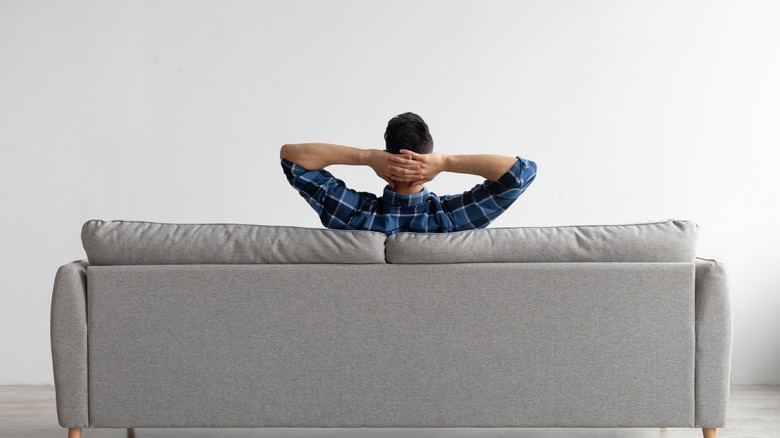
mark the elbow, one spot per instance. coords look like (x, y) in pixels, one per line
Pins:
(527, 173)
(531, 175)
(532, 166)
(286, 151)
(292, 152)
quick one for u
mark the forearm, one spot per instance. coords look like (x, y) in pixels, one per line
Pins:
(319, 155)
(490, 167)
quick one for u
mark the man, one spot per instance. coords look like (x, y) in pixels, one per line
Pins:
(407, 163)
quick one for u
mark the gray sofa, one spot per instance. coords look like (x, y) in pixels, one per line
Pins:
(230, 325)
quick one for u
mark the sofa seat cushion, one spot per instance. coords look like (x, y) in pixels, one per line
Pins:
(121, 242)
(670, 241)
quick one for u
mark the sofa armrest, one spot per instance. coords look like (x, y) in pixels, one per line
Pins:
(69, 343)
(713, 343)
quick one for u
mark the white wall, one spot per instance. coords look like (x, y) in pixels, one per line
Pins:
(174, 112)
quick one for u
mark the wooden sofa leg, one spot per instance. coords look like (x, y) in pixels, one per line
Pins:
(130, 432)
(709, 432)
(74, 432)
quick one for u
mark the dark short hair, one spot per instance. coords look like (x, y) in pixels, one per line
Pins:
(408, 131)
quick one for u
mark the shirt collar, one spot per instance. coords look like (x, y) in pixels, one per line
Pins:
(399, 199)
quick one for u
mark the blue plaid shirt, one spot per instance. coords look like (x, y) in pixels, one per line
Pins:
(424, 212)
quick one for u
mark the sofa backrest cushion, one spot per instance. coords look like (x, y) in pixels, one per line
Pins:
(669, 241)
(148, 243)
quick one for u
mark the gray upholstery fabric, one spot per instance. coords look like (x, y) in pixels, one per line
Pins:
(713, 343)
(150, 243)
(670, 241)
(69, 343)
(470, 345)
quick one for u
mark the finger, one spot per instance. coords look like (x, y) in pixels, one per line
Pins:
(402, 170)
(414, 155)
(408, 165)
(404, 159)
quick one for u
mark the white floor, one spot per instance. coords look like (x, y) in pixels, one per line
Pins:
(30, 411)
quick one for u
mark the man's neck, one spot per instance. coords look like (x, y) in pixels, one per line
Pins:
(406, 189)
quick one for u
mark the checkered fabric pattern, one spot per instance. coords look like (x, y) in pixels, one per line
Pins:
(425, 212)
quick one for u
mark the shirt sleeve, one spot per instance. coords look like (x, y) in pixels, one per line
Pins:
(333, 201)
(482, 204)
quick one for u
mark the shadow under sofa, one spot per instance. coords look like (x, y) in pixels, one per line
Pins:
(231, 325)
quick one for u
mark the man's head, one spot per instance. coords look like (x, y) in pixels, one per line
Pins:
(408, 131)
